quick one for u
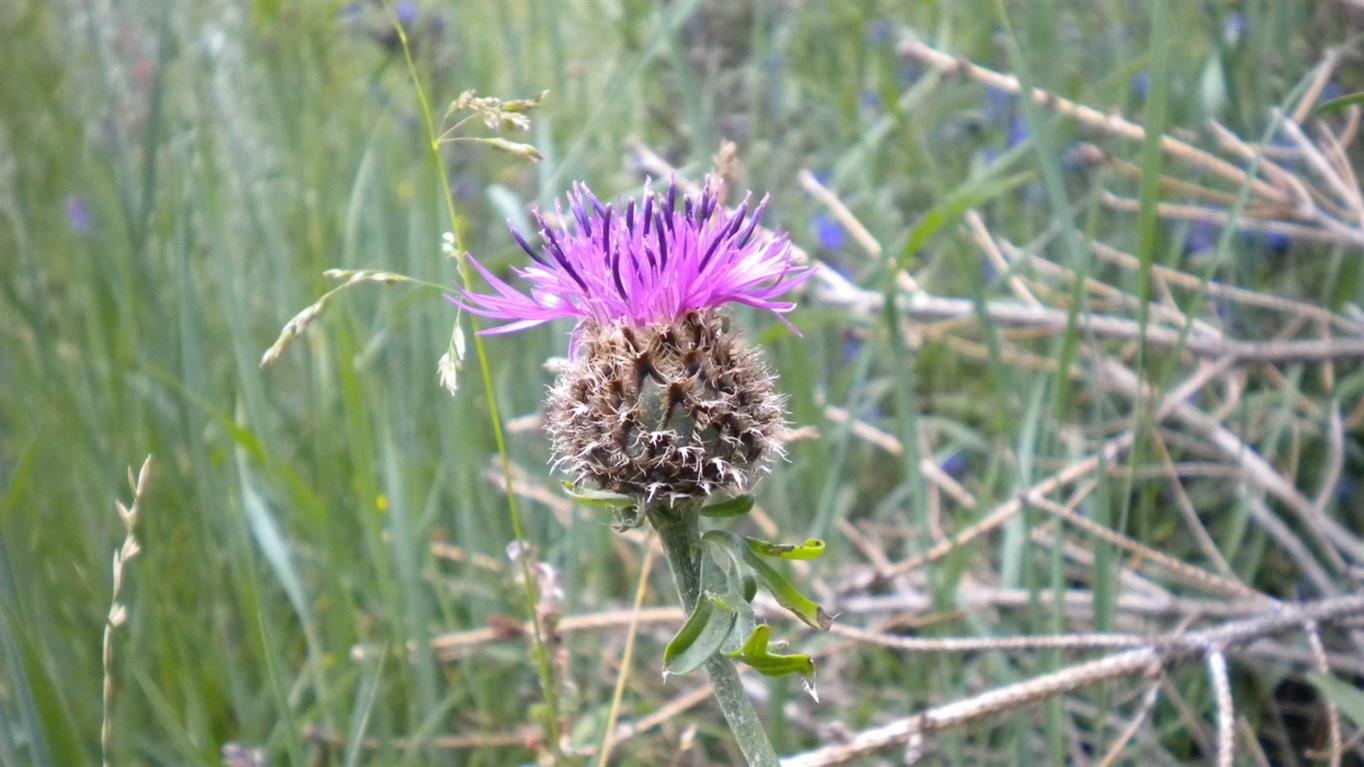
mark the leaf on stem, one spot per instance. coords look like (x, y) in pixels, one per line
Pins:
(755, 653)
(589, 497)
(733, 507)
(811, 549)
(787, 595)
(700, 637)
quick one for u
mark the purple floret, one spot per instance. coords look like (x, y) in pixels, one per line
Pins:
(602, 265)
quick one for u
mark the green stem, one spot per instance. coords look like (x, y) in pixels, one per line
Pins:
(541, 652)
(680, 534)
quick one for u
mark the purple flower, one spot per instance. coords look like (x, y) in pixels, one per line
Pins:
(78, 216)
(646, 264)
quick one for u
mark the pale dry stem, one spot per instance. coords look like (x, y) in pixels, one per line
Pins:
(118, 612)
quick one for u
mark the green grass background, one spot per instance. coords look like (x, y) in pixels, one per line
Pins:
(226, 153)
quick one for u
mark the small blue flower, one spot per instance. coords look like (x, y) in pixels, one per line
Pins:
(1017, 132)
(954, 465)
(852, 345)
(828, 232)
(1234, 28)
(1277, 243)
(907, 73)
(999, 104)
(1140, 85)
(1202, 237)
(406, 11)
(1347, 489)
(989, 275)
(351, 12)
(870, 101)
(1331, 90)
(879, 32)
(78, 216)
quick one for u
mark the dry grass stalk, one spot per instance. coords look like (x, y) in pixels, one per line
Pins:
(1148, 702)
(1109, 122)
(626, 656)
(1149, 661)
(304, 319)
(1226, 712)
(118, 613)
(1330, 210)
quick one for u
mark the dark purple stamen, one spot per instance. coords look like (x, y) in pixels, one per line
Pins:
(583, 221)
(552, 245)
(738, 219)
(662, 241)
(526, 245)
(686, 206)
(753, 222)
(606, 234)
(707, 206)
(563, 261)
(710, 251)
(672, 194)
(648, 210)
(630, 216)
(615, 275)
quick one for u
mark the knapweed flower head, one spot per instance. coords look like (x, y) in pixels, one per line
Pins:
(646, 263)
(660, 399)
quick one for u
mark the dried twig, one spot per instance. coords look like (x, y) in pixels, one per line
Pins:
(1148, 661)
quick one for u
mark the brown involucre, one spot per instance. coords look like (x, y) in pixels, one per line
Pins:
(667, 411)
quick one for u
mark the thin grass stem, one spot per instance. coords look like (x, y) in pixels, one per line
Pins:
(542, 660)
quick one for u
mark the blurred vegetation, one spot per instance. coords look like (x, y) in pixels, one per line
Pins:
(175, 178)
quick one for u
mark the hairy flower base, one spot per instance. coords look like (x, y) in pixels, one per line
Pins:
(665, 411)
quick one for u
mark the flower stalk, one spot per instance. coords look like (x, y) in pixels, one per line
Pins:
(662, 407)
(679, 532)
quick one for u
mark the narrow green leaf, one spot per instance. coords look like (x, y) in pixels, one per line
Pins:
(754, 652)
(1348, 698)
(699, 638)
(811, 549)
(590, 497)
(970, 195)
(734, 507)
(1340, 102)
